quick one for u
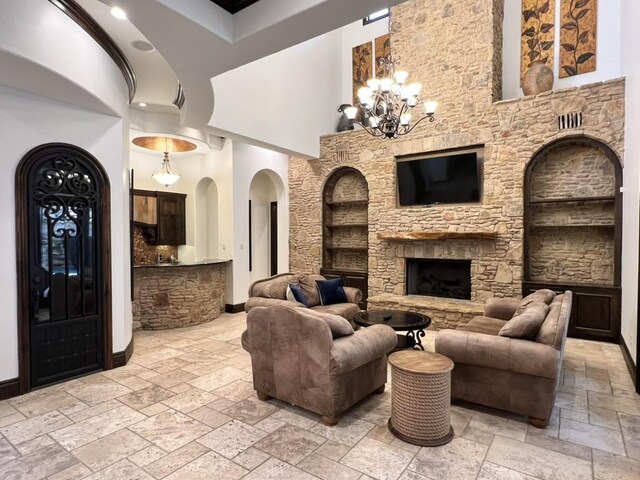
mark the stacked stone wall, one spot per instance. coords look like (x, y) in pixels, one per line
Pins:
(175, 297)
(449, 46)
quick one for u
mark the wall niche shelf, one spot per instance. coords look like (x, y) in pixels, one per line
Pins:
(574, 242)
(413, 236)
(340, 203)
(573, 200)
(347, 225)
(345, 229)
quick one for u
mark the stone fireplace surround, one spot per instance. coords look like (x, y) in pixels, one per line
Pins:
(512, 132)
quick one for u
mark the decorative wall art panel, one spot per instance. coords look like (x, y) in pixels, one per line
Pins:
(383, 49)
(538, 27)
(362, 62)
(578, 20)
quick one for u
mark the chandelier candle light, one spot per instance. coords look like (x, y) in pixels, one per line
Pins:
(166, 175)
(387, 104)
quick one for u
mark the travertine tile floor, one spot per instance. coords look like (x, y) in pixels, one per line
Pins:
(184, 408)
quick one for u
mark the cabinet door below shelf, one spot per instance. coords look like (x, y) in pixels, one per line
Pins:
(351, 279)
(595, 313)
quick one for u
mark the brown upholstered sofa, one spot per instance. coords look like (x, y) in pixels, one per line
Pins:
(273, 291)
(295, 358)
(514, 374)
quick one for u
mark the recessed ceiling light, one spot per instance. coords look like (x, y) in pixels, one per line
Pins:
(118, 13)
(142, 46)
(143, 104)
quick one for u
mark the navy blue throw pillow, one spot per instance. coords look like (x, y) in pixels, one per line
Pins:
(298, 294)
(331, 291)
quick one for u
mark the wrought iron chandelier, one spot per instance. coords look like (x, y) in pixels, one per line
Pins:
(387, 104)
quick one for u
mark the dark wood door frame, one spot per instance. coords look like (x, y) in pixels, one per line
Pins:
(273, 237)
(22, 253)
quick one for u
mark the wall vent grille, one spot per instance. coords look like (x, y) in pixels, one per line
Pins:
(569, 121)
(342, 154)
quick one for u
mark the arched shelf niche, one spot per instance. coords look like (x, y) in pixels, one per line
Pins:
(346, 228)
(573, 231)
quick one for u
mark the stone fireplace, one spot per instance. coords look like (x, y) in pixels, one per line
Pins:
(438, 278)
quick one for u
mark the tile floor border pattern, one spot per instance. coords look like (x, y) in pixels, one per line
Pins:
(184, 407)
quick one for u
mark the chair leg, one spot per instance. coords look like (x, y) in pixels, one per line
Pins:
(329, 421)
(379, 390)
(263, 396)
(538, 423)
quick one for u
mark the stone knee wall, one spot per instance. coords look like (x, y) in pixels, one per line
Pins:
(182, 296)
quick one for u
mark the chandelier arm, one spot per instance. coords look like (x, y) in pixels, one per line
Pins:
(416, 124)
(368, 130)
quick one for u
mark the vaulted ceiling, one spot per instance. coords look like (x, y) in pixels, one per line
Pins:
(233, 6)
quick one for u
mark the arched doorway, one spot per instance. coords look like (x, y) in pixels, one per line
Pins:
(207, 233)
(264, 228)
(346, 228)
(573, 231)
(64, 265)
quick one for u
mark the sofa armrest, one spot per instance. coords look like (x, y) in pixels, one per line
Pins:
(354, 295)
(365, 345)
(501, 308)
(269, 302)
(500, 353)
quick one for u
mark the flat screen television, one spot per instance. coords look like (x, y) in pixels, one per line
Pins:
(449, 178)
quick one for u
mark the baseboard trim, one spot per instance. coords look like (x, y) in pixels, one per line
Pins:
(9, 388)
(228, 308)
(120, 359)
(629, 361)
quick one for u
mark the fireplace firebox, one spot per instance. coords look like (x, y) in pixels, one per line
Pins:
(439, 278)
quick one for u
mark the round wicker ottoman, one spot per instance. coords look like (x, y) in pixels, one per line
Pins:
(421, 397)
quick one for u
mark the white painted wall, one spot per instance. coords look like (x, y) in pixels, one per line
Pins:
(28, 121)
(630, 232)
(206, 219)
(215, 165)
(44, 52)
(268, 99)
(248, 160)
(261, 193)
(608, 54)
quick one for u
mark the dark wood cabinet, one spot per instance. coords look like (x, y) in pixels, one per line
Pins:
(596, 310)
(163, 216)
(171, 219)
(351, 279)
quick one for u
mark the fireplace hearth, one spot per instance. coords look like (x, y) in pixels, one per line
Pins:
(439, 278)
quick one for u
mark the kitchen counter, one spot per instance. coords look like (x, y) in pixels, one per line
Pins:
(174, 296)
(211, 261)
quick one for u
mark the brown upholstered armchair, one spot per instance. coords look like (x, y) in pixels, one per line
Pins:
(296, 359)
(520, 375)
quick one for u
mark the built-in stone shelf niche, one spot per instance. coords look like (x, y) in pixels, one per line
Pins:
(429, 235)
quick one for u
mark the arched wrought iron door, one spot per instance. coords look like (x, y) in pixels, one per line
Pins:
(62, 208)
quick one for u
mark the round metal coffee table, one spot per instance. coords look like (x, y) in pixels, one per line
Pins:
(412, 323)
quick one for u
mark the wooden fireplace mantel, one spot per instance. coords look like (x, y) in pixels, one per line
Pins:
(424, 235)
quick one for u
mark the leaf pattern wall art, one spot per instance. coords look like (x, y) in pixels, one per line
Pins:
(538, 30)
(578, 37)
(383, 49)
(362, 61)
